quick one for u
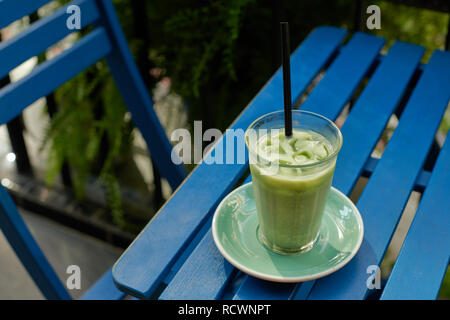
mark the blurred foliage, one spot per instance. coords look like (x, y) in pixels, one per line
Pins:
(444, 292)
(415, 25)
(90, 116)
(218, 55)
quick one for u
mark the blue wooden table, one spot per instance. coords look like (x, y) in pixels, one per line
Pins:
(175, 257)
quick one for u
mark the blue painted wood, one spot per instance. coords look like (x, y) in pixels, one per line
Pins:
(12, 10)
(137, 99)
(372, 111)
(389, 187)
(15, 97)
(302, 291)
(184, 276)
(104, 289)
(216, 270)
(424, 256)
(189, 249)
(28, 251)
(419, 185)
(254, 288)
(42, 34)
(341, 80)
(144, 265)
(422, 180)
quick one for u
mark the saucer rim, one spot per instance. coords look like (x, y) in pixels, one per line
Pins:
(282, 279)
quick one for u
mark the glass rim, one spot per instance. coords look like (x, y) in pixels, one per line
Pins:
(308, 165)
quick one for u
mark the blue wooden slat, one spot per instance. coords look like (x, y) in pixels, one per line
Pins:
(389, 187)
(419, 185)
(217, 271)
(424, 256)
(342, 78)
(28, 251)
(137, 99)
(42, 34)
(104, 289)
(372, 111)
(12, 10)
(143, 265)
(302, 291)
(192, 245)
(422, 180)
(254, 288)
(52, 73)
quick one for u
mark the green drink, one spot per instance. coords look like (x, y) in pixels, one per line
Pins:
(291, 177)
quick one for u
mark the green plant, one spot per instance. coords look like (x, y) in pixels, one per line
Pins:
(444, 292)
(415, 25)
(91, 132)
(201, 35)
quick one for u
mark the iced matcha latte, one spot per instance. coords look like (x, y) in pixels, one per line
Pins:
(291, 177)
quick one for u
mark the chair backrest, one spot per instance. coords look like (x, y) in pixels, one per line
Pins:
(106, 40)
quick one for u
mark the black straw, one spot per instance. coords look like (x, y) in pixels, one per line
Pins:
(285, 58)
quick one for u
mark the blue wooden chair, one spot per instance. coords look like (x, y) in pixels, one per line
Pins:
(106, 40)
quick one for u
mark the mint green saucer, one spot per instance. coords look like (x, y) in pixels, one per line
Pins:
(235, 225)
